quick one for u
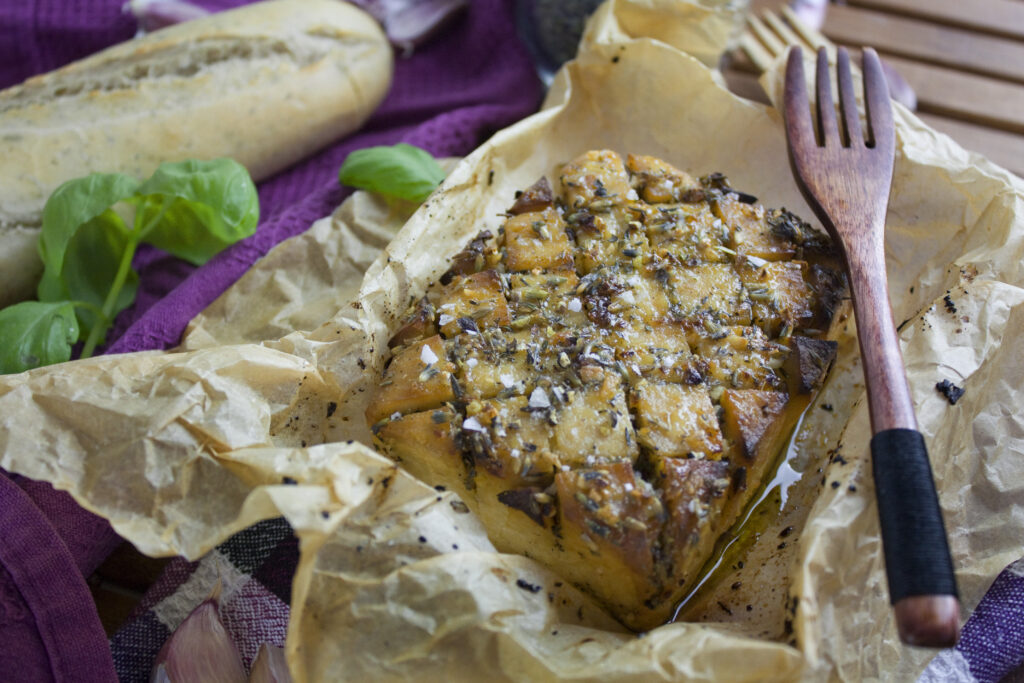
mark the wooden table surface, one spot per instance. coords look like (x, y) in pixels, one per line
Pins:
(963, 58)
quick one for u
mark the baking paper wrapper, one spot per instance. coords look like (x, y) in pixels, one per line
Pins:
(259, 414)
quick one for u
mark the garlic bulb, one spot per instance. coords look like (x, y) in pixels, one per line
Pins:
(200, 650)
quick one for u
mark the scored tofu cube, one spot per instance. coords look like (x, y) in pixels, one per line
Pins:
(611, 517)
(654, 351)
(486, 368)
(808, 363)
(688, 233)
(472, 302)
(418, 377)
(593, 425)
(676, 420)
(710, 293)
(613, 237)
(594, 176)
(537, 240)
(742, 358)
(545, 299)
(754, 420)
(612, 298)
(779, 295)
(658, 181)
(752, 234)
(424, 443)
(693, 491)
(510, 442)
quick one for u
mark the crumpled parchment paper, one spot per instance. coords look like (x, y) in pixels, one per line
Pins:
(398, 581)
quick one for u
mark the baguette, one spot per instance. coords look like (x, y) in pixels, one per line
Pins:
(265, 84)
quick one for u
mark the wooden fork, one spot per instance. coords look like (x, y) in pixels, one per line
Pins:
(846, 180)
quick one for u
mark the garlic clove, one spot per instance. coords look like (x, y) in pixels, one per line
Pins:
(270, 666)
(152, 15)
(200, 650)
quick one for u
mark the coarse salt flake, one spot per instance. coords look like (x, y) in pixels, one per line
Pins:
(575, 306)
(472, 424)
(427, 355)
(445, 319)
(507, 381)
(539, 399)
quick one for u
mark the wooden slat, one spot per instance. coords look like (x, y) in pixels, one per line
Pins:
(984, 101)
(745, 84)
(998, 17)
(914, 39)
(1005, 149)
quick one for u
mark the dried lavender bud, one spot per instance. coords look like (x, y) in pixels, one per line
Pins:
(200, 649)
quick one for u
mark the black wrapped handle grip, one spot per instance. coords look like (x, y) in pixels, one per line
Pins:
(917, 559)
(918, 564)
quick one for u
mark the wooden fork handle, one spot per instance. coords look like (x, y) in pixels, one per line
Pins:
(918, 565)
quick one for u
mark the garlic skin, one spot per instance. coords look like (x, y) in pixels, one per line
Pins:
(199, 651)
(270, 666)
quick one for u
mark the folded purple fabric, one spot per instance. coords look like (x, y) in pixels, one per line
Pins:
(471, 80)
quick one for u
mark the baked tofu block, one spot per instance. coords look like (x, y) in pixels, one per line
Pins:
(537, 240)
(419, 377)
(611, 380)
(676, 420)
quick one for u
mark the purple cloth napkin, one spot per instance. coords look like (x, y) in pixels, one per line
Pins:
(469, 81)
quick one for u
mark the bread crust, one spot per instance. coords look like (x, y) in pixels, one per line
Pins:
(265, 84)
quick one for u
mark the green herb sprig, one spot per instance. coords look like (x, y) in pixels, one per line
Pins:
(401, 171)
(191, 209)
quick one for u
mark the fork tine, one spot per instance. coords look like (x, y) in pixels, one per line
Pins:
(828, 132)
(877, 104)
(795, 103)
(847, 100)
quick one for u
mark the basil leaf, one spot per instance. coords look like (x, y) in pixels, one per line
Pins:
(90, 267)
(74, 204)
(35, 333)
(193, 209)
(401, 171)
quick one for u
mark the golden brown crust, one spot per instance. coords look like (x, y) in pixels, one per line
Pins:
(624, 362)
